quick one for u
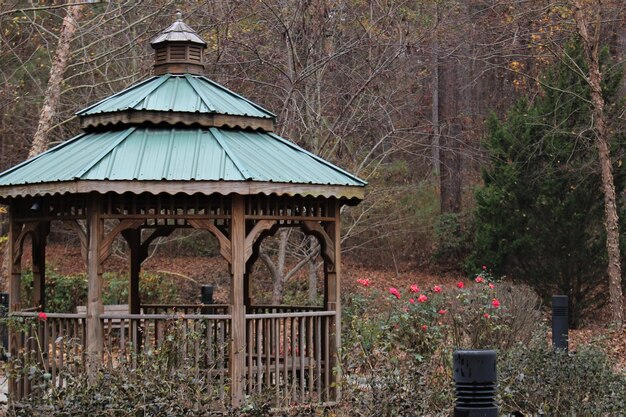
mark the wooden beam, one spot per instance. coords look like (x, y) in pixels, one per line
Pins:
(95, 230)
(352, 194)
(238, 312)
(107, 241)
(38, 242)
(225, 243)
(327, 242)
(133, 238)
(15, 270)
(259, 227)
(332, 295)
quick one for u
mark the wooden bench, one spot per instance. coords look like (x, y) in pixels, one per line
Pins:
(109, 309)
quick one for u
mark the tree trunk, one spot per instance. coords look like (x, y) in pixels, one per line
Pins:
(449, 131)
(53, 92)
(435, 100)
(591, 43)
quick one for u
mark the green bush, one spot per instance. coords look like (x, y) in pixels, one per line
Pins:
(65, 292)
(396, 355)
(535, 380)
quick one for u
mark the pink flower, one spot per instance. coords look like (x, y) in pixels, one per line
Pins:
(479, 279)
(394, 291)
(484, 267)
(486, 315)
(424, 327)
(442, 311)
(491, 286)
(364, 282)
(437, 288)
(460, 284)
(411, 300)
(495, 302)
(415, 288)
(422, 298)
(42, 316)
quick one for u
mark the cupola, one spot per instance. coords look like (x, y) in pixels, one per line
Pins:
(178, 50)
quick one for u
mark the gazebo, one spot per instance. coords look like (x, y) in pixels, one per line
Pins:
(178, 150)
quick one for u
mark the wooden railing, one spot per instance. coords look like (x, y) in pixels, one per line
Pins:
(185, 308)
(199, 342)
(289, 354)
(273, 309)
(45, 349)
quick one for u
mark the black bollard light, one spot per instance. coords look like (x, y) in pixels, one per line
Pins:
(206, 297)
(475, 381)
(560, 322)
(4, 331)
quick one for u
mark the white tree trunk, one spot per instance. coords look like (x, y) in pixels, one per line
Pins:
(53, 91)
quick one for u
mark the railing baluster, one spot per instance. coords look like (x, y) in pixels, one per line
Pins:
(259, 354)
(301, 322)
(318, 357)
(249, 348)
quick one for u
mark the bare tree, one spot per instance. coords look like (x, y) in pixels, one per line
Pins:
(588, 18)
(53, 92)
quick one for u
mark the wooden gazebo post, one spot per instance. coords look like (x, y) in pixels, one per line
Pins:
(238, 310)
(95, 229)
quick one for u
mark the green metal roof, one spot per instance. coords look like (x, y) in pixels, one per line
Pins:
(178, 154)
(179, 93)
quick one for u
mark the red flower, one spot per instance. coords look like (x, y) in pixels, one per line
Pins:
(495, 302)
(491, 286)
(486, 315)
(484, 267)
(424, 327)
(460, 284)
(422, 298)
(364, 282)
(395, 292)
(42, 316)
(479, 279)
(415, 288)
(442, 311)
(437, 288)
(411, 300)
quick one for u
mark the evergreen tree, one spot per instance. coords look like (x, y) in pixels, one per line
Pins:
(539, 215)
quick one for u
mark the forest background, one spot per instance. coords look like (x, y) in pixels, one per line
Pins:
(474, 122)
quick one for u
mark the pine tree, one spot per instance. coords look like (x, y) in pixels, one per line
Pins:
(539, 215)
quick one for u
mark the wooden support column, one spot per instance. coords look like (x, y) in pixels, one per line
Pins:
(38, 242)
(95, 231)
(238, 311)
(333, 296)
(133, 238)
(15, 265)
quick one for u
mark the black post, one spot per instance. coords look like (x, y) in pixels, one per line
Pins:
(4, 330)
(475, 380)
(206, 297)
(560, 322)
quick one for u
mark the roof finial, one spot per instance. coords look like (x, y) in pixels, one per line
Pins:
(179, 16)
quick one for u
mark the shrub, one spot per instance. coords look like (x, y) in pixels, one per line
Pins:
(65, 292)
(533, 379)
(160, 382)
